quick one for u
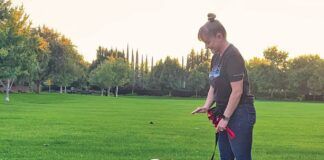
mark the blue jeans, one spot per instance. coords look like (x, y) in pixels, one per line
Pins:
(241, 122)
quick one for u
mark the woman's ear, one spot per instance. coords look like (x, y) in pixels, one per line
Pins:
(219, 36)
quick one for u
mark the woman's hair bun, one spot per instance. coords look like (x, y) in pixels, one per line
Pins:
(211, 17)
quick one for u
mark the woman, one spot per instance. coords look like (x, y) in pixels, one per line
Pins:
(229, 88)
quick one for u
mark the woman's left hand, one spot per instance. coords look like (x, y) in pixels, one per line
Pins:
(221, 125)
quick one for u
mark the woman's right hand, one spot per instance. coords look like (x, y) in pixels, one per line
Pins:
(202, 109)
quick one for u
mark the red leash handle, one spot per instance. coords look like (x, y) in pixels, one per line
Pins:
(215, 121)
(230, 133)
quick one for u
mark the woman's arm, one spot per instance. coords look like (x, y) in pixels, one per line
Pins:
(209, 101)
(210, 97)
(237, 90)
(234, 99)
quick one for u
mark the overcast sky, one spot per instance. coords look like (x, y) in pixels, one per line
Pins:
(169, 27)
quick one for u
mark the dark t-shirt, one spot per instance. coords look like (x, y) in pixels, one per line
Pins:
(232, 68)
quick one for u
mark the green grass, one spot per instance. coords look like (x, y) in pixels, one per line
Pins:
(48, 127)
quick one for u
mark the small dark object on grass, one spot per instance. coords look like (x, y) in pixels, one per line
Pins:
(46, 145)
(151, 122)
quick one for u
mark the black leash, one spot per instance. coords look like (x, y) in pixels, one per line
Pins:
(216, 140)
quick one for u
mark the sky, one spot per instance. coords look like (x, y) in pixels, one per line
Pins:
(161, 28)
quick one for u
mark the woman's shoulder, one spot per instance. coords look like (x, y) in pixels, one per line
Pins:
(233, 53)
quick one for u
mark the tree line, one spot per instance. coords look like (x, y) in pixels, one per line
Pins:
(34, 55)
(276, 75)
(42, 56)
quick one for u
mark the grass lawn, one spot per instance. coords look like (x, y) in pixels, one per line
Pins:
(52, 126)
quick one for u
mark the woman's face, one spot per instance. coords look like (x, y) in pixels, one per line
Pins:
(212, 42)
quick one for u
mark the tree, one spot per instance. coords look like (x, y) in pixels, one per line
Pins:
(197, 80)
(16, 57)
(102, 54)
(276, 57)
(4, 10)
(41, 48)
(127, 54)
(103, 76)
(191, 60)
(201, 56)
(204, 68)
(47, 62)
(146, 76)
(316, 81)
(152, 63)
(302, 75)
(170, 78)
(141, 73)
(136, 75)
(64, 63)
(121, 73)
(146, 68)
(156, 71)
(133, 72)
(83, 77)
(208, 55)
(277, 69)
(259, 70)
